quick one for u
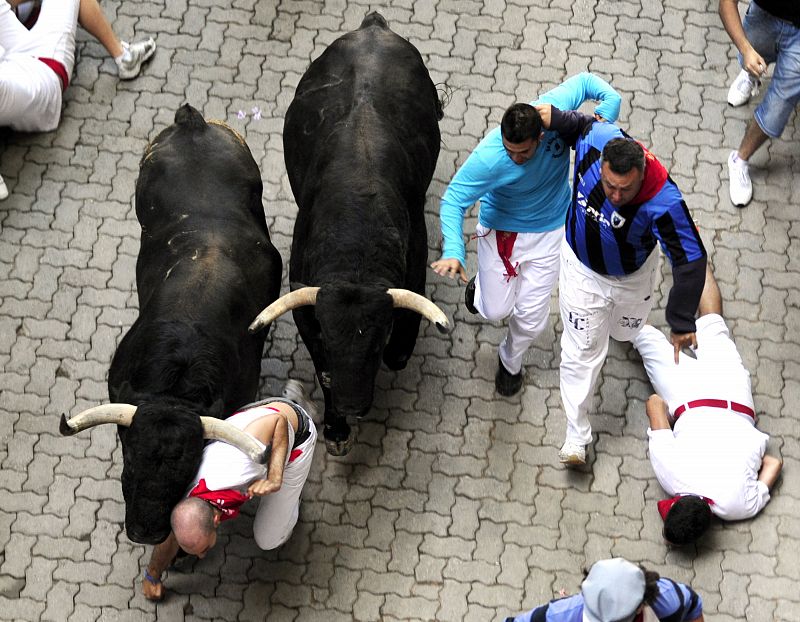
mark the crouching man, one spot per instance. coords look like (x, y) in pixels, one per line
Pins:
(227, 478)
(704, 446)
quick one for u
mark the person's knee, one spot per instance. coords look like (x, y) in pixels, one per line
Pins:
(270, 540)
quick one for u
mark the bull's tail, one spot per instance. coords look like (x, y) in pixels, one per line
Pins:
(189, 117)
(374, 18)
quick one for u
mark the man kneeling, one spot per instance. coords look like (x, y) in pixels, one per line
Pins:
(712, 457)
(227, 478)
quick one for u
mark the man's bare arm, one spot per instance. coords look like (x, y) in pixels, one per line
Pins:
(770, 469)
(658, 413)
(729, 14)
(160, 559)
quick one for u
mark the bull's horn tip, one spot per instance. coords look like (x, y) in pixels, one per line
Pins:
(64, 427)
(254, 327)
(443, 327)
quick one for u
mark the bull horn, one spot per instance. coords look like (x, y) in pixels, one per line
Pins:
(121, 414)
(405, 299)
(218, 430)
(298, 298)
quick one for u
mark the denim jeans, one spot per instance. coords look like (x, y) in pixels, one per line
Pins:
(778, 41)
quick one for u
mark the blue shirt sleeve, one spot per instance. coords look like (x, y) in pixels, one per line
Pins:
(677, 602)
(473, 180)
(571, 93)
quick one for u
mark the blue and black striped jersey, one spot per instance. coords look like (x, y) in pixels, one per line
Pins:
(616, 241)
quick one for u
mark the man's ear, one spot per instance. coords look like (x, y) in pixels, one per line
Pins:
(217, 518)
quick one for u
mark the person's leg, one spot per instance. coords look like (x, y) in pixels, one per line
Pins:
(277, 513)
(584, 343)
(673, 383)
(494, 293)
(3, 189)
(780, 43)
(12, 32)
(129, 57)
(538, 274)
(93, 20)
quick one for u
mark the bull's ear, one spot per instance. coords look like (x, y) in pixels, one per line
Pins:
(217, 410)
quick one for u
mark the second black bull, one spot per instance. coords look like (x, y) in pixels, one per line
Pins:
(206, 266)
(361, 139)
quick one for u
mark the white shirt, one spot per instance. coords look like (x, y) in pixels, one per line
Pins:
(225, 466)
(714, 453)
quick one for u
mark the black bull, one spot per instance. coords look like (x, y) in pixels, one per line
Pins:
(206, 267)
(361, 139)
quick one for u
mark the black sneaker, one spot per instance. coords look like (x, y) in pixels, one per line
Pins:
(469, 296)
(506, 383)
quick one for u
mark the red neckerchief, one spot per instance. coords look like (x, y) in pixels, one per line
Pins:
(505, 246)
(665, 505)
(654, 177)
(226, 501)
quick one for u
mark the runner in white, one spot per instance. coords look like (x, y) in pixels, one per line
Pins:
(227, 478)
(713, 458)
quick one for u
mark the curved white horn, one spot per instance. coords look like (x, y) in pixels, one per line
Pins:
(219, 430)
(406, 299)
(298, 298)
(121, 414)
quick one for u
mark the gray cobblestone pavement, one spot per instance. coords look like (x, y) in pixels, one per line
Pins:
(451, 505)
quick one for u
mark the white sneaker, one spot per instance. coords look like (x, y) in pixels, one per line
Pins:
(741, 189)
(572, 453)
(3, 189)
(133, 57)
(294, 391)
(743, 88)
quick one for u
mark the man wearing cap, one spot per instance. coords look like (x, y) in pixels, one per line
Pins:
(227, 478)
(712, 459)
(615, 590)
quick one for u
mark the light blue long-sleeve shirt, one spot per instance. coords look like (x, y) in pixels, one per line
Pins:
(525, 198)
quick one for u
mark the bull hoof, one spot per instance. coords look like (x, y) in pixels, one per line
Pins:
(338, 445)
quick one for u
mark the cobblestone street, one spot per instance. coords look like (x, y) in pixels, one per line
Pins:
(452, 505)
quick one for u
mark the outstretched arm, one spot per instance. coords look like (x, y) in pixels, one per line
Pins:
(160, 559)
(754, 64)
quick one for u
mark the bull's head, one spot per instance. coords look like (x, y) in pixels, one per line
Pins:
(162, 446)
(356, 322)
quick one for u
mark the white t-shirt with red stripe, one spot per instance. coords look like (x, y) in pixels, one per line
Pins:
(715, 453)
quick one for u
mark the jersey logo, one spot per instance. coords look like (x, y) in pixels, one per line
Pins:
(616, 220)
(591, 211)
(630, 322)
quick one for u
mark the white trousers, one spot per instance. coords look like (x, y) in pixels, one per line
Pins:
(278, 512)
(524, 299)
(593, 308)
(717, 372)
(30, 92)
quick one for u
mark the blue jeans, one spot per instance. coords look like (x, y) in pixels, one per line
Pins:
(778, 41)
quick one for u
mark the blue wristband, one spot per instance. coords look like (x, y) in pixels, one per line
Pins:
(151, 578)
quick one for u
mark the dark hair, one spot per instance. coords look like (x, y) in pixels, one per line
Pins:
(623, 154)
(687, 520)
(521, 122)
(651, 589)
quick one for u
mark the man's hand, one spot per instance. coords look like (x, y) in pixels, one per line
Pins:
(544, 113)
(153, 590)
(262, 487)
(684, 340)
(450, 268)
(754, 64)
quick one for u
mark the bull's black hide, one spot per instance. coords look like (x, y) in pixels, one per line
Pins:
(361, 139)
(206, 266)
